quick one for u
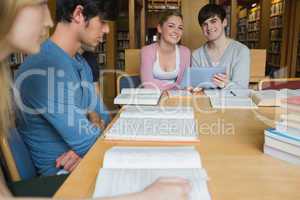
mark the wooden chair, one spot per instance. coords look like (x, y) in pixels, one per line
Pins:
(128, 81)
(132, 61)
(280, 83)
(258, 65)
(17, 158)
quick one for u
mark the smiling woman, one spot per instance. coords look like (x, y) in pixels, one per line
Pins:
(163, 63)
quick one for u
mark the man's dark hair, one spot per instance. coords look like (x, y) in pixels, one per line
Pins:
(65, 9)
(211, 10)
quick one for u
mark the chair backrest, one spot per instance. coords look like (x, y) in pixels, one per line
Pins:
(258, 62)
(17, 157)
(132, 61)
(280, 83)
(128, 81)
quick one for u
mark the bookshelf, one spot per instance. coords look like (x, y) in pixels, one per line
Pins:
(248, 24)
(101, 53)
(276, 33)
(122, 44)
(228, 17)
(253, 27)
(242, 26)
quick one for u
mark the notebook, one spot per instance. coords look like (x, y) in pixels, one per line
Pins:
(233, 102)
(138, 96)
(200, 76)
(131, 169)
(154, 123)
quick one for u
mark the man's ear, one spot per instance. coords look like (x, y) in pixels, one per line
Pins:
(77, 16)
(225, 23)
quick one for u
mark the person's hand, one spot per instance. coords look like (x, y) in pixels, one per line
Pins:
(194, 91)
(68, 161)
(220, 80)
(95, 119)
(167, 189)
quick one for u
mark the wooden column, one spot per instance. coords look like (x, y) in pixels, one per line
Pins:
(52, 8)
(108, 78)
(285, 37)
(264, 39)
(293, 42)
(143, 23)
(131, 13)
(233, 17)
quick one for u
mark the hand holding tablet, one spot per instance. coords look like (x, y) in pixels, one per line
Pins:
(220, 80)
(204, 77)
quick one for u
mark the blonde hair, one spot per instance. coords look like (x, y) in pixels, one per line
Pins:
(8, 12)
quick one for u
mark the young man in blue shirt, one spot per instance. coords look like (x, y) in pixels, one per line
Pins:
(57, 92)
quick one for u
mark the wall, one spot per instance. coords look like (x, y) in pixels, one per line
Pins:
(192, 37)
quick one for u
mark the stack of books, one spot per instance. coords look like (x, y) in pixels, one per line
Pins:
(283, 142)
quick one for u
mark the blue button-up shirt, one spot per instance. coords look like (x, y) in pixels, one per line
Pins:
(55, 93)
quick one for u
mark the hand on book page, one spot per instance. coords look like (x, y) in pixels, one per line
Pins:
(168, 188)
(161, 189)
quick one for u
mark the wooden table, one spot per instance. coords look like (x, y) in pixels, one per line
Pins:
(231, 149)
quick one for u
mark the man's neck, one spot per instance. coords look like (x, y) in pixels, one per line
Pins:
(66, 38)
(218, 44)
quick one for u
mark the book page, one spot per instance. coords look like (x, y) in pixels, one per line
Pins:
(153, 129)
(157, 112)
(114, 182)
(227, 92)
(144, 99)
(232, 102)
(152, 157)
(136, 91)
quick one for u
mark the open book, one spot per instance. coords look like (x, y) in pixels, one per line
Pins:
(131, 169)
(139, 96)
(272, 97)
(154, 123)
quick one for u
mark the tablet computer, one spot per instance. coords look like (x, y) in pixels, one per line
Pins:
(200, 77)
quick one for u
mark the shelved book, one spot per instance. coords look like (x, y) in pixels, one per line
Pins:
(131, 169)
(282, 145)
(154, 123)
(138, 96)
